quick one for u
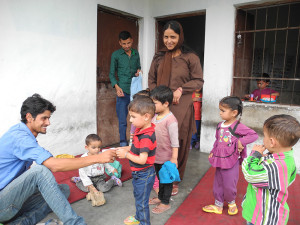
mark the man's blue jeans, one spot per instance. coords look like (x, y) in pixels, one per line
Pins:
(142, 184)
(33, 195)
(122, 112)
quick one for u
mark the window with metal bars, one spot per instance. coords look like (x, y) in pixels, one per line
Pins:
(267, 41)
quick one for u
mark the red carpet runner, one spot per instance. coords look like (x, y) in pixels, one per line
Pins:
(190, 211)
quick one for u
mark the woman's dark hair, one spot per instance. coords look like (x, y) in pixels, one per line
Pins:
(35, 105)
(175, 26)
(232, 102)
(92, 137)
(124, 35)
(142, 105)
(162, 94)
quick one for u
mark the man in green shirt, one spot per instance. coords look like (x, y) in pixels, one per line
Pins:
(125, 62)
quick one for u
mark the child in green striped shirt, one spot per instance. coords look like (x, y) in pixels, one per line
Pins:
(270, 175)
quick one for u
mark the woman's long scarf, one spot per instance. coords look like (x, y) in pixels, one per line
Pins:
(164, 71)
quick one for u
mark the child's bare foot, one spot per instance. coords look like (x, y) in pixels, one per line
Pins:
(154, 201)
(212, 209)
(161, 208)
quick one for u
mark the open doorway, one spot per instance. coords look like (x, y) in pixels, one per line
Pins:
(194, 37)
(109, 25)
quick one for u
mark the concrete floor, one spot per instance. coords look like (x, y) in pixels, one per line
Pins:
(120, 200)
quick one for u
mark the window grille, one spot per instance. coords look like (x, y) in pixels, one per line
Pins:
(267, 41)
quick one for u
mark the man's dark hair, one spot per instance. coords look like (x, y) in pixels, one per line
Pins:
(124, 35)
(162, 94)
(284, 128)
(92, 137)
(35, 105)
(142, 105)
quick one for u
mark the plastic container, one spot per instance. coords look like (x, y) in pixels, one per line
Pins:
(251, 97)
(268, 98)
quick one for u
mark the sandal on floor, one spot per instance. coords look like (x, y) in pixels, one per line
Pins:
(213, 209)
(154, 201)
(159, 209)
(97, 198)
(131, 220)
(175, 190)
(230, 212)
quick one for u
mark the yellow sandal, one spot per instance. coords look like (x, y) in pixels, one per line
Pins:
(230, 206)
(214, 209)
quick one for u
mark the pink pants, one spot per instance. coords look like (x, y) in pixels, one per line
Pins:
(156, 183)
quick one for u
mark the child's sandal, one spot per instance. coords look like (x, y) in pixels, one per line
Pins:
(230, 207)
(131, 220)
(212, 209)
(97, 198)
(75, 179)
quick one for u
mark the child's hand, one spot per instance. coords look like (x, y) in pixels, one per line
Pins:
(247, 96)
(122, 151)
(115, 171)
(259, 148)
(174, 160)
(240, 146)
(92, 188)
(210, 155)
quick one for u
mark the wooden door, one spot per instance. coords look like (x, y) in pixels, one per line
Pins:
(109, 25)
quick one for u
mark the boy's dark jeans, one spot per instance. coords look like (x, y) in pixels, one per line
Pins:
(142, 182)
(165, 190)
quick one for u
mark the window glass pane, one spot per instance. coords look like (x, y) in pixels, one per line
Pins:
(269, 52)
(283, 16)
(261, 19)
(296, 93)
(250, 19)
(291, 51)
(290, 93)
(258, 69)
(295, 15)
(271, 19)
(278, 65)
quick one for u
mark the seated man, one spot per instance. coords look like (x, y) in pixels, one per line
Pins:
(27, 194)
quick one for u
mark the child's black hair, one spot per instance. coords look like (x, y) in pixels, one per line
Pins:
(141, 93)
(162, 94)
(142, 105)
(92, 137)
(233, 102)
(265, 77)
(285, 128)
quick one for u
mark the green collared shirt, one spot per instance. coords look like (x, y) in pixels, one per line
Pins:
(125, 67)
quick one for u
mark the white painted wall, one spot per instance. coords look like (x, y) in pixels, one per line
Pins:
(218, 65)
(49, 47)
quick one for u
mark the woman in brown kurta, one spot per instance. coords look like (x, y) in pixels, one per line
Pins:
(178, 68)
